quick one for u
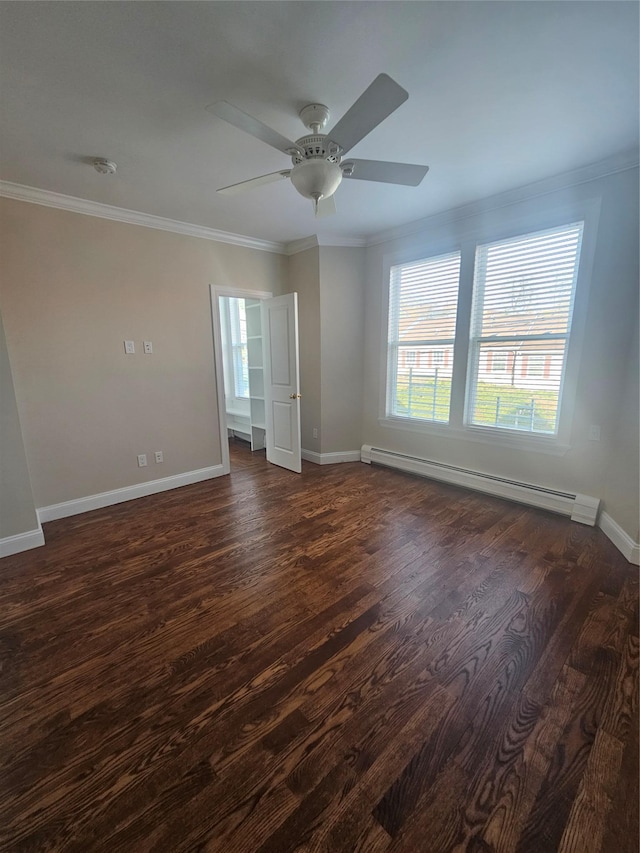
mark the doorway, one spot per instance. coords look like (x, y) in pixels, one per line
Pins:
(259, 335)
(238, 357)
(257, 373)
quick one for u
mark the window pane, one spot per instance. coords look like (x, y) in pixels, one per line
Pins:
(426, 299)
(521, 318)
(527, 284)
(423, 383)
(423, 299)
(238, 322)
(518, 385)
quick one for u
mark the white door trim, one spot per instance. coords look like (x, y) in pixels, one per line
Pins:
(241, 293)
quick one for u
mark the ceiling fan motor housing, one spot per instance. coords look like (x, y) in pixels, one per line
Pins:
(316, 147)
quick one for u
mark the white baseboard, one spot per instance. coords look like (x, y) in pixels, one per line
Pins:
(128, 493)
(331, 458)
(21, 542)
(620, 538)
(581, 508)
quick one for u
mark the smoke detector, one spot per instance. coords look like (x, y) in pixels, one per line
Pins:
(105, 167)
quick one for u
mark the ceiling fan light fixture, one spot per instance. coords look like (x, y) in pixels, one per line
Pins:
(316, 179)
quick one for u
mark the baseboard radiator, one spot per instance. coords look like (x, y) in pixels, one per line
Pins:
(581, 508)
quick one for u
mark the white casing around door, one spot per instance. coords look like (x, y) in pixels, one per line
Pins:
(281, 380)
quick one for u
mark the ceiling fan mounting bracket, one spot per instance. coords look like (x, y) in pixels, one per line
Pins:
(314, 116)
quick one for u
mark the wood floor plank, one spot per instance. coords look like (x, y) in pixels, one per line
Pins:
(350, 659)
(555, 797)
(621, 830)
(586, 823)
(516, 790)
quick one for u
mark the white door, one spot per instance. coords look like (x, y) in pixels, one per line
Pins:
(281, 380)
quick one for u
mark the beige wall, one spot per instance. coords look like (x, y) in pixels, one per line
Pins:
(342, 345)
(17, 509)
(73, 288)
(621, 492)
(304, 279)
(608, 331)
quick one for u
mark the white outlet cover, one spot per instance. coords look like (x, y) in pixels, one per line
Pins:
(129, 347)
(142, 460)
(148, 347)
(159, 456)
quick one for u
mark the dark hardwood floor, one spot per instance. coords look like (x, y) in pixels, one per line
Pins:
(351, 659)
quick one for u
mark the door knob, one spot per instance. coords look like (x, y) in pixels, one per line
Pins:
(295, 396)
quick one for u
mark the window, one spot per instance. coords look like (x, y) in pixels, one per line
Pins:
(239, 346)
(234, 339)
(520, 310)
(422, 318)
(522, 304)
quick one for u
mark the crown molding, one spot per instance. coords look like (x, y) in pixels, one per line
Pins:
(621, 162)
(301, 245)
(316, 240)
(131, 217)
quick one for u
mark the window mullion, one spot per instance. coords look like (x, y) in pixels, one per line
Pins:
(461, 343)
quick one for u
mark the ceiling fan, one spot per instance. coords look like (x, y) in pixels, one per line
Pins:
(318, 168)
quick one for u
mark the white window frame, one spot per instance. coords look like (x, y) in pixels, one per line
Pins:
(514, 223)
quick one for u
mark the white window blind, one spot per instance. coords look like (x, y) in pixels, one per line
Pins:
(523, 298)
(423, 300)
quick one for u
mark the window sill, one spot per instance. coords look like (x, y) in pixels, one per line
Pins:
(549, 445)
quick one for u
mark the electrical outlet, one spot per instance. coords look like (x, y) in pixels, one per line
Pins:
(159, 456)
(142, 460)
(148, 347)
(129, 347)
(594, 432)
(315, 432)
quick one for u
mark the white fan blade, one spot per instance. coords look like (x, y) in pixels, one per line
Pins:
(408, 174)
(252, 183)
(326, 207)
(251, 125)
(377, 102)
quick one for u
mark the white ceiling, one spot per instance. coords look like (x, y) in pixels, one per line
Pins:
(500, 94)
